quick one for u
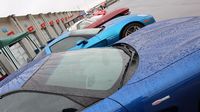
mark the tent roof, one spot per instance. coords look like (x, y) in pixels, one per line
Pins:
(6, 41)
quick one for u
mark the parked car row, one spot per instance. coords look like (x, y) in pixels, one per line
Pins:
(99, 20)
(106, 35)
(154, 69)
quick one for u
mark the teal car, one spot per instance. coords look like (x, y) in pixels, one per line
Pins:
(106, 35)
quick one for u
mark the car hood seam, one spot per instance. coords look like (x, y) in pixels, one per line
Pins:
(118, 103)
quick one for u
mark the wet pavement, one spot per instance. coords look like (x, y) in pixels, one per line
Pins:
(161, 9)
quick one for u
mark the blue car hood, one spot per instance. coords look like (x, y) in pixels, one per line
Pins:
(163, 43)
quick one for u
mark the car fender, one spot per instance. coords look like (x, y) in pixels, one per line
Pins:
(117, 25)
(161, 85)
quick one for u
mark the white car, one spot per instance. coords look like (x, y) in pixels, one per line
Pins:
(84, 22)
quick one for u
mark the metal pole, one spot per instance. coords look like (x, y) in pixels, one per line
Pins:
(48, 33)
(6, 54)
(12, 55)
(60, 28)
(29, 38)
(55, 30)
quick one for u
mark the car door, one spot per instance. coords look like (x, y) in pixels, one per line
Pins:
(181, 98)
(175, 89)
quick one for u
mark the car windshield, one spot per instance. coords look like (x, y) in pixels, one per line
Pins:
(83, 24)
(71, 81)
(91, 31)
(87, 22)
(75, 37)
(66, 43)
(95, 18)
(91, 69)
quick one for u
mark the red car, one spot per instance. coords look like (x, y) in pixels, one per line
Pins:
(109, 16)
(103, 4)
(99, 12)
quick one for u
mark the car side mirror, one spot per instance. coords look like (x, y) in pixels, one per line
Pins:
(82, 42)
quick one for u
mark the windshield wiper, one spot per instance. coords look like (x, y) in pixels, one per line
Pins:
(131, 53)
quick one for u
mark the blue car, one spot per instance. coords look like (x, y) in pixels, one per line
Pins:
(108, 34)
(155, 69)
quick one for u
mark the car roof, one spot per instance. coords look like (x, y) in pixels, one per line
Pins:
(162, 44)
(106, 17)
(166, 49)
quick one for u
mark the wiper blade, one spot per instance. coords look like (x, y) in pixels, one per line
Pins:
(131, 53)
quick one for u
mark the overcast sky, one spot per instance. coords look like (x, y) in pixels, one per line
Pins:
(23, 7)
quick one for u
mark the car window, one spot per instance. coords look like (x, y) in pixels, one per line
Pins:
(91, 69)
(91, 31)
(87, 22)
(36, 102)
(65, 44)
(95, 18)
(83, 24)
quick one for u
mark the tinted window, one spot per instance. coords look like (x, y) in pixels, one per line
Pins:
(93, 69)
(65, 44)
(36, 102)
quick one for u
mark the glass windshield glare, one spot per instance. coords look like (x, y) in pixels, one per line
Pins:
(89, 31)
(36, 102)
(83, 24)
(93, 69)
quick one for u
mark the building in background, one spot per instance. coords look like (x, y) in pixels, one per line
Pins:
(22, 37)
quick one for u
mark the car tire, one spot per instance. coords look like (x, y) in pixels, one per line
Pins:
(130, 28)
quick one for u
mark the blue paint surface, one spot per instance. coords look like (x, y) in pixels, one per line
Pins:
(169, 65)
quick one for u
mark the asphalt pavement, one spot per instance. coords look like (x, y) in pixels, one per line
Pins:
(160, 9)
